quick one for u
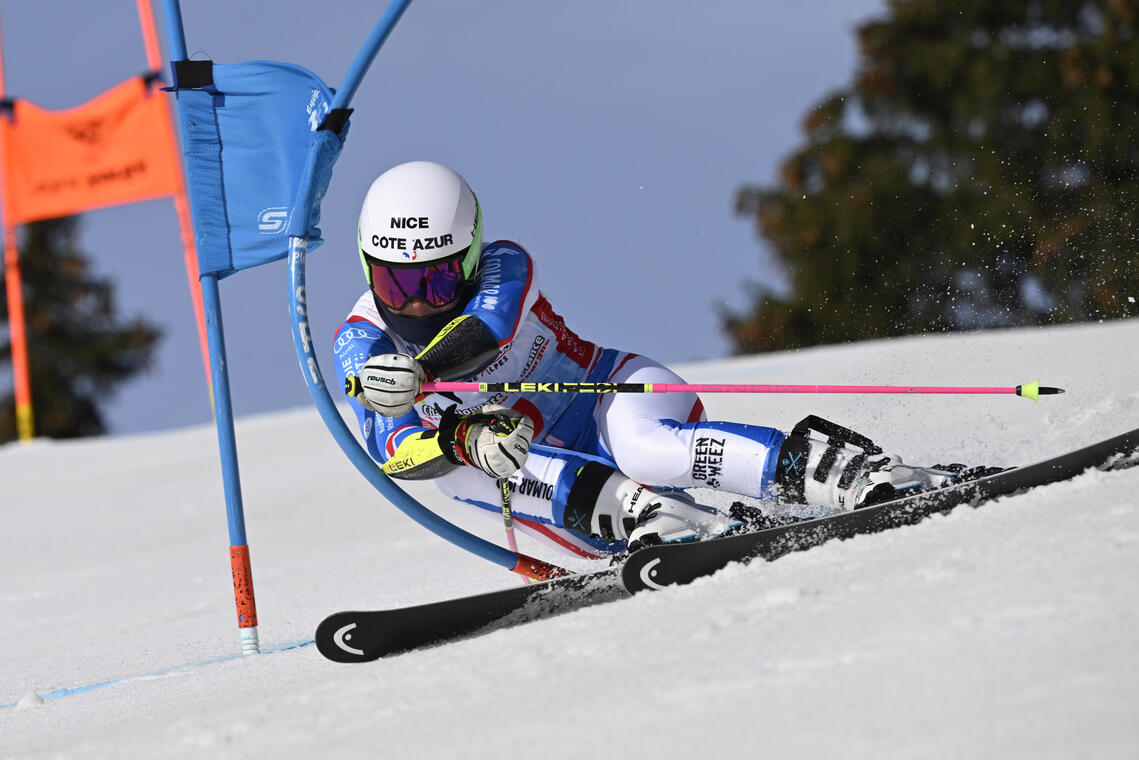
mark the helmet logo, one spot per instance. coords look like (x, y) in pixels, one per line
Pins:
(424, 244)
(409, 222)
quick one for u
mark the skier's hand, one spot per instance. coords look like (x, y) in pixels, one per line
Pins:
(390, 383)
(495, 439)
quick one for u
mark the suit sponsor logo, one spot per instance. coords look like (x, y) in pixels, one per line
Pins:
(531, 487)
(346, 336)
(433, 410)
(580, 351)
(490, 283)
(537, 351)
(708, 462)
(499, 362)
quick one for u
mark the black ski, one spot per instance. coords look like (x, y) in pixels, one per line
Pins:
(368, 635)
(655, 567)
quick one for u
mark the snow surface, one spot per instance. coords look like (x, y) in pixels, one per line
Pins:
(1004, 631)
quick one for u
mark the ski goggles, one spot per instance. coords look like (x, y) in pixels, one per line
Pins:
(439, 283)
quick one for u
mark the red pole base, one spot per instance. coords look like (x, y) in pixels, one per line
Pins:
(537, 570)
(243, 586)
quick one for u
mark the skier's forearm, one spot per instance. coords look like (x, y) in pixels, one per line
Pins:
(420, 457)
(461, 349)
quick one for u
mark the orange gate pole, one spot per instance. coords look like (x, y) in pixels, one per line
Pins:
(17, 332)
(17, 335)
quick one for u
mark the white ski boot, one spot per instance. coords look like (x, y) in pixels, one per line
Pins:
(849, 471)
(617, 508)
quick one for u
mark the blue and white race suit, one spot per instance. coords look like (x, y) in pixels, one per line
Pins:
(657, 439)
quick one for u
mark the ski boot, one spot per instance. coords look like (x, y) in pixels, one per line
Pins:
(606, 503)
(848, 471)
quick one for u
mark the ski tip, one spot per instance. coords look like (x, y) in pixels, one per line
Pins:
(337, 641)
(1035, 390)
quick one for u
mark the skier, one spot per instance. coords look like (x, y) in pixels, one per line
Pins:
(592, 473)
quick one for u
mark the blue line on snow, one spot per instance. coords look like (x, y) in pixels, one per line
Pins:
(165, 671)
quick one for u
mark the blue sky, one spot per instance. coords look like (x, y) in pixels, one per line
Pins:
(606, 136)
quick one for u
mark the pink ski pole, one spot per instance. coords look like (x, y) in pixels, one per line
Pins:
(1033, 390)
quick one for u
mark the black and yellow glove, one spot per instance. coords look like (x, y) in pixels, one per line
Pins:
(495, 439)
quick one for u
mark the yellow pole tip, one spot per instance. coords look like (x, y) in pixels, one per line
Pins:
(1029, 390)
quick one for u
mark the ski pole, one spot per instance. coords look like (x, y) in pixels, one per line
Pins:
(1031, 390)
(508, 522)
(507, 514)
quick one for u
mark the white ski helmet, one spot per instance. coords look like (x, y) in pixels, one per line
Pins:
(420, 234)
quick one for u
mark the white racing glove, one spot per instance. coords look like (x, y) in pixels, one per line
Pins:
(390, 383)
(495, 439)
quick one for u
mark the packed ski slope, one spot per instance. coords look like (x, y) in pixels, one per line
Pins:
(1005, 631)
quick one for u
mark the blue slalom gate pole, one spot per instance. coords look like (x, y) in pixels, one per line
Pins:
(322, 150)
(223, 413)
(231, 478)
(367, 54)
(247, 158)
(310, 367)
(174, 31)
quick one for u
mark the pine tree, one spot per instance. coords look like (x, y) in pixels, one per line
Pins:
(79, 349)
(981, 171)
